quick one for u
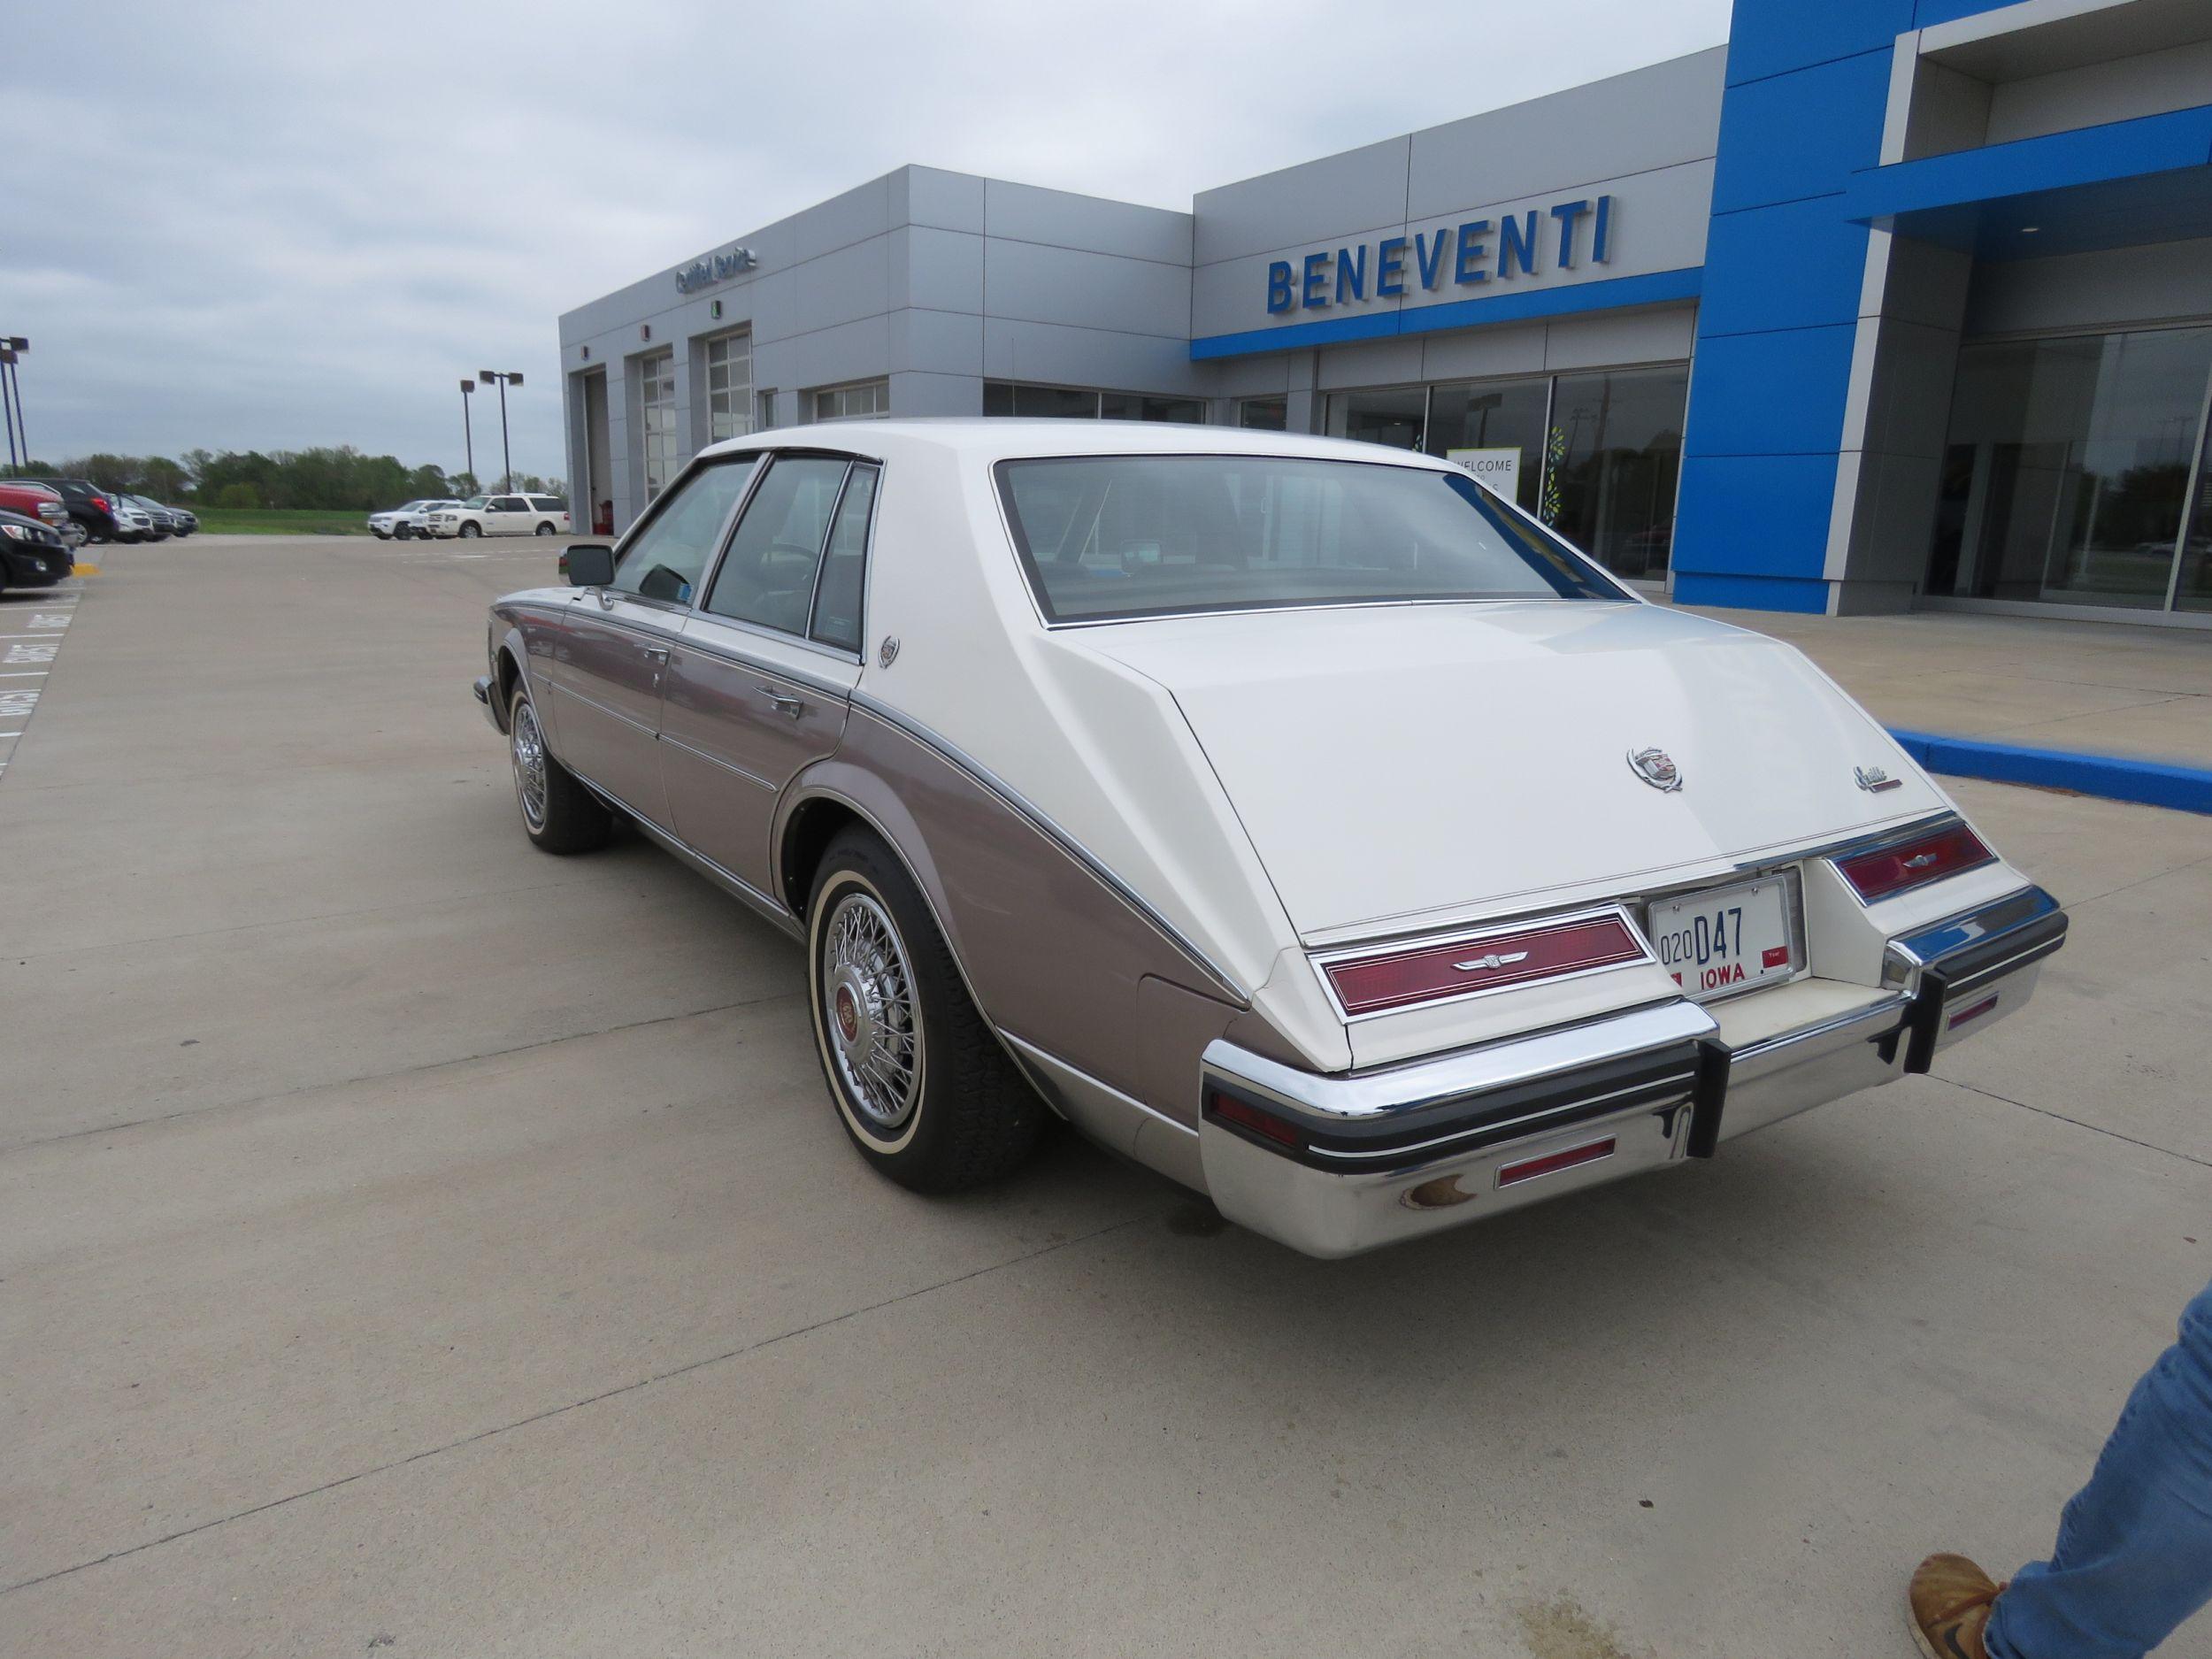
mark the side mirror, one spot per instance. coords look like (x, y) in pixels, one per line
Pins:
(589, 565)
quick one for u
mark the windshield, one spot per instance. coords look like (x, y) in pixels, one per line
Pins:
(1107, 537)
(476, 503)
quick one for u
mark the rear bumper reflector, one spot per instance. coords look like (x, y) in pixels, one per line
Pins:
(1529, 1169)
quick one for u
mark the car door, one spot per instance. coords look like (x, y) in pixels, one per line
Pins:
(614, 642)
(505, 515)
(760, 684)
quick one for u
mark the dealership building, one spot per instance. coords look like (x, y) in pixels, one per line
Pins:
(1884, 304)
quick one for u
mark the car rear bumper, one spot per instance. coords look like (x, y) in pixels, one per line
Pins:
(1337, 1164)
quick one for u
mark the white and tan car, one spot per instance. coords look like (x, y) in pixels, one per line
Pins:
(511, 514)
(1292, 816)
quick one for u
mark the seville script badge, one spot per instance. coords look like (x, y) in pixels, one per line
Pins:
(1655, 768)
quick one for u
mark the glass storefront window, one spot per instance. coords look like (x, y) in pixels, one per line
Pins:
(1076, 403)
(1396, 417)
(1614, 457)
(1604, 471)
(2068, 466)
(1504, 415)
(656, 407)
(1265, 414)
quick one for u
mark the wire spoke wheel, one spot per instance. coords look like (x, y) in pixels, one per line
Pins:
(875, 1029)
(529, 751)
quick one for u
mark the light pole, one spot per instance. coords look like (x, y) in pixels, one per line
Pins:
(468, 433)
(13, 348)
(506, 377)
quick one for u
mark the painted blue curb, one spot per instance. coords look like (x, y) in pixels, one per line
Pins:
(2112, 776)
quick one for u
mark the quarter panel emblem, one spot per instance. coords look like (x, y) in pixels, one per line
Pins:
(1656, 768)
(890, 651)
(1874, 780)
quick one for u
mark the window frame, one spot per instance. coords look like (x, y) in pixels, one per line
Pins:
(1033, 579)
(712, 573)
(672, 491)
(814, 395)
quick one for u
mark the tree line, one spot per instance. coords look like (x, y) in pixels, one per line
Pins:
(332, 480)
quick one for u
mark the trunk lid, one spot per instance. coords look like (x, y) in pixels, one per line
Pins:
(1396, 762)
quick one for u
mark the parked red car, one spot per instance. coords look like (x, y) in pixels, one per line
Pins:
(37, 501)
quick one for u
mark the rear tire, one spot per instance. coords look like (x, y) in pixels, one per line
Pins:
(559, 815)
(917, 1076)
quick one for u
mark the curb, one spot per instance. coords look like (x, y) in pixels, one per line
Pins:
(2110, 777)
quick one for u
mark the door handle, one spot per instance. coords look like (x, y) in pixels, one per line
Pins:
(781, 703)
(658, 653)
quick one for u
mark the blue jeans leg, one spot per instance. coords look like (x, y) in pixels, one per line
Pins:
(2134, 1552)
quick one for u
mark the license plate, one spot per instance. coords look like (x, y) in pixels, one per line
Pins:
(1724, 939)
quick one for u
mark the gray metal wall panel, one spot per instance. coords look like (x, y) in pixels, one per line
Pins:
(1649, 118)
(1475, 354)
(1603, 339)
(1054, 354)
(949, 201)
(938, 342)
(1031, 283)
(1062, 218)
(916, 394)
(2163, 281)
(841, 287)
(1312, 203)
(944, 269)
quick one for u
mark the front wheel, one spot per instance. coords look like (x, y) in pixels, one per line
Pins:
(470, 529)
(558, 814)
(920, 1082)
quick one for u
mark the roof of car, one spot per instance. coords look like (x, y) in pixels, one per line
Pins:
(999, 437)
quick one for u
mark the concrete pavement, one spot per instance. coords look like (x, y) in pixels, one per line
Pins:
(414, 1242)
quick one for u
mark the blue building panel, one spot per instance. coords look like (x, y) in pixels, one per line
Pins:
(1755, 515)
(1779, 393)
(1799, 134)
(1776, 36)
(1798, 265)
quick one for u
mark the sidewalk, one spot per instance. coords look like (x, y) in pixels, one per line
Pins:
(2137, 696)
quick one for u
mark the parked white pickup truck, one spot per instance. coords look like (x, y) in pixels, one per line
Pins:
(501, 515)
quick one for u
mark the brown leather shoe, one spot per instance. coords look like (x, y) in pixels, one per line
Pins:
(1947, 1604)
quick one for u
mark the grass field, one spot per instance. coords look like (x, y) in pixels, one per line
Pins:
(280, 521)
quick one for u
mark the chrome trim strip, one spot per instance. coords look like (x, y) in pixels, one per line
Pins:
(737, 885)
(763, 665)
(1067, 843)
(1787, 1048)
(717, 760)
(1674, 1084)
(1366, 1095)
(2035, 904)
(1323, 959)
(1045, 1058)
(567, 690)
(1982, 976)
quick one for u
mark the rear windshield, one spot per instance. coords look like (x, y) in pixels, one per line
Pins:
(1107, 537)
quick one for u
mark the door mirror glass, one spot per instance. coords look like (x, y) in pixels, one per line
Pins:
(589, 565)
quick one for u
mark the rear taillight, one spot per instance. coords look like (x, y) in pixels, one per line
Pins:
(1428, 973)
(1244, 1115)
(100, 504)
(1910, 864)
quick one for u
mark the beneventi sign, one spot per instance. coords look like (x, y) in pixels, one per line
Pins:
(709, 269)
(1469, 255)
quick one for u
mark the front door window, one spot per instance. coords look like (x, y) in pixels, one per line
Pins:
(666, 556)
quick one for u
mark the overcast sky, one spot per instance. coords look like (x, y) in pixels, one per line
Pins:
(243, 226)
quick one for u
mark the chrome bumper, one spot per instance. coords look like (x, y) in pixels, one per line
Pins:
(483, 687)
(1337, 1164)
